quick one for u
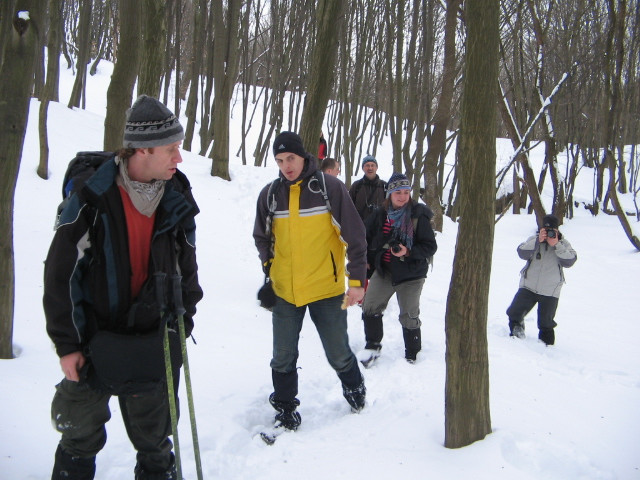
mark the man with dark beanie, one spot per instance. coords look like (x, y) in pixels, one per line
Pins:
(547, 253)
(368, 192)
(125, 240)
(302, 240)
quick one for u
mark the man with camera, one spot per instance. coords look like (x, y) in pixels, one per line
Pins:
(541, 279)
(400, 243)
(368, 192)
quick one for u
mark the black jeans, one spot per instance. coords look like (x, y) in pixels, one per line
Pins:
(80, 413)
(522, 304)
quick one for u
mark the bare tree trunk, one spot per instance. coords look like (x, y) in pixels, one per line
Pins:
(437, 143)
(329, 17)
(615, 50)
(84, 53)
(519, 143)
(6, 10)
(50, 90)
(467, 413)
(125, 71)
(154, 32)
(16, 84)
(199, 16)
(225, 70)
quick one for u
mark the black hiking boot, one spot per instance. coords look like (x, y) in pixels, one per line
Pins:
(412, 343)
(517, 331)
(547, 335)
(287, 415)
(67, 466)
(169, 474)
(355, 396)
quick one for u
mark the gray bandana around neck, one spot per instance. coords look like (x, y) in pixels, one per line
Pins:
(144, 196)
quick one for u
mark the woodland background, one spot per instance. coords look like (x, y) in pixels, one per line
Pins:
(562, 73)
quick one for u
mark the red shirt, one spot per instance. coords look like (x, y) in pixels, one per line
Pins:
(140, 230)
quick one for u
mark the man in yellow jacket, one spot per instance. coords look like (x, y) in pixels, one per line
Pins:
(302, 240)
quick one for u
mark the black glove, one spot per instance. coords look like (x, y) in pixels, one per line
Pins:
(266, 295)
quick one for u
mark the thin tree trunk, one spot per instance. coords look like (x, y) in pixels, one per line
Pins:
(437, 143)
(615, 49)
(50, 90)
(199, 16)
(84, 53)
(225, 71)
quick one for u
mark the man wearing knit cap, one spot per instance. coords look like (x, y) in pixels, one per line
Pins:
(547, 254)
(302, 239)
(368, 192)
(132, 218)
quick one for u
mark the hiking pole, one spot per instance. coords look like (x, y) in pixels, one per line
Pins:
(179, 310)
(162, 304)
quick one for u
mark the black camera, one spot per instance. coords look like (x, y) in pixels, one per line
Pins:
(394, 245)
(551, 233)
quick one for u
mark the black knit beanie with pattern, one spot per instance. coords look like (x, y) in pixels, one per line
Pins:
(151, 124)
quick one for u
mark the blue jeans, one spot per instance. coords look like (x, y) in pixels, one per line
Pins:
(331, 323)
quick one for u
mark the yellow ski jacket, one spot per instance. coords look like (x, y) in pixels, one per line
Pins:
(309, 241)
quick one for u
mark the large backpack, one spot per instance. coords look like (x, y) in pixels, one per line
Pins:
(80, 169)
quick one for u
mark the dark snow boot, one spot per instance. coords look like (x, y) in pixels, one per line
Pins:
(68, 467)
(287, 415)
(412, 343)
(353, 387)
(355, 396)
(169, 474)
(516, 330)
(547, 335)
(373, 331)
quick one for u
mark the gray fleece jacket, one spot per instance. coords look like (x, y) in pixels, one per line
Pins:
(543, 273)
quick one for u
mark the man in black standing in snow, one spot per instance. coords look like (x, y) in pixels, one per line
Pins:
(129, 225)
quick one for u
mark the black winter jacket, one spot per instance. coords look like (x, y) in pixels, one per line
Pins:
(416, 263)
(87, 271)
(367, 195)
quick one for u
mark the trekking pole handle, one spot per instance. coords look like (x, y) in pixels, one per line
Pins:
(161, 297)
(176, 284)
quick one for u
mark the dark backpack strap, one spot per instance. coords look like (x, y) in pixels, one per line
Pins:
(319, 176)
(271, 203)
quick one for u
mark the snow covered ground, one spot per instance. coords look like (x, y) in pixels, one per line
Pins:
(564, 412)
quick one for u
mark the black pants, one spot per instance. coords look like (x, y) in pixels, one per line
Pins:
(522, 304)
(79, 413)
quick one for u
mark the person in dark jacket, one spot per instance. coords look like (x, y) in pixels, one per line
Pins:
(330, 166)
(134, 217)
(547, 253)
(400, 243)
(368, 192)
(303, 247)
